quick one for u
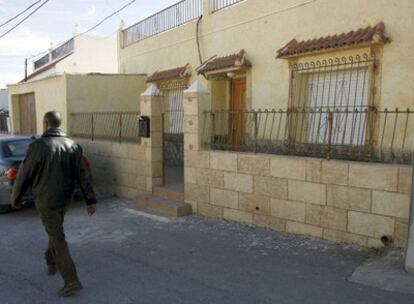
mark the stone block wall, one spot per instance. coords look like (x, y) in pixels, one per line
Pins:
(341, 201)
(117, 168)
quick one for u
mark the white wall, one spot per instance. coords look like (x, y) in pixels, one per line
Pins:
(91, 55)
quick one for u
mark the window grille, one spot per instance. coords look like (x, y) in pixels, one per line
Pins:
(340, 85)
(175, 112)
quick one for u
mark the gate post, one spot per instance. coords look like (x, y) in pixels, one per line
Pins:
(151, 106)
(196, 101)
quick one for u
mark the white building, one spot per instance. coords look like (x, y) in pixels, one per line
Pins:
(81, 54)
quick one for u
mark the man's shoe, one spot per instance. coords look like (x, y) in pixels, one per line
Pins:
(51, 270)
(70, 289)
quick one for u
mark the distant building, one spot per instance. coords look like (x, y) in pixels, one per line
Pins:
(59, 75)
(71, 94)
(81, 54)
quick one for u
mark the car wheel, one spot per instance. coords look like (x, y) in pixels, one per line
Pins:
(5, 208)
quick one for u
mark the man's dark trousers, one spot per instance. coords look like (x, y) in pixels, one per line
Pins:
(58, 253)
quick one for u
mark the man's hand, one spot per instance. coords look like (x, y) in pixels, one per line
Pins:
(91, 209)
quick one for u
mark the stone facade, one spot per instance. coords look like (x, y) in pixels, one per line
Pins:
(341, 201)
(280, 192)
(117, 168)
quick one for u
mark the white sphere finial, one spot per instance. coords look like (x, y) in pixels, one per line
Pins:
(121, 25)
(77, 29)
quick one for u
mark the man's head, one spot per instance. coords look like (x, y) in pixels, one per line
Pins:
(52, 119)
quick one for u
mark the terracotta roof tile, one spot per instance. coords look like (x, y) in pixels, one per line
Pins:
(176, 73)
(219, 63)
(361, 36)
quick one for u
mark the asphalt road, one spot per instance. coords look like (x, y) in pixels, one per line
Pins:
(124, 257)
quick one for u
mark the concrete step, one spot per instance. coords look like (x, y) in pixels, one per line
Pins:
(175, 194)
(161, 206)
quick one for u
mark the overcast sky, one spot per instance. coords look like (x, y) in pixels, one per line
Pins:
(55, 22)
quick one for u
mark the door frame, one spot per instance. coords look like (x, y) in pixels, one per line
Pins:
(31, 117)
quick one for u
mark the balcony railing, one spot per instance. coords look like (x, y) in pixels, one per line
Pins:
(119, 126)
(42, 61)
(55, 54)
(167, 19)
(217, 5)
(63, 50)
(349, 134)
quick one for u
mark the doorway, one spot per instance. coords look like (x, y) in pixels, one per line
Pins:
(237, 114)
(27, 107)
(173, 140)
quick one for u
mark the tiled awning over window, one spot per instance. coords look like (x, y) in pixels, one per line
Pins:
(171, 74)
(235, 61)
(362, 36)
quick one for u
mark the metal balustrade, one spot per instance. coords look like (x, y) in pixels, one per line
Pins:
(55, 54)
(349, 134)
(217, 5)
(119, 126)
(169, 18)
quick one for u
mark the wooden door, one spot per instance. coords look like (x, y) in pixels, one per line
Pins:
(237, 116)
(27, 107)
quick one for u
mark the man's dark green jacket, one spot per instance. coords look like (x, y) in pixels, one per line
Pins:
(52, 166)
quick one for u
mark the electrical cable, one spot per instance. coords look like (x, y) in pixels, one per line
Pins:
(21, 13)
(200, 57)
(110, 6)
(106, 18)
(24, 19)
(94, 27)
(282, 10)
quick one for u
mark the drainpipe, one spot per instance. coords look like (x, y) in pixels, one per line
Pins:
(409, 256)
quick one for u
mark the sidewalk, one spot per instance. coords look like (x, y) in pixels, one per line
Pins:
(124, 256)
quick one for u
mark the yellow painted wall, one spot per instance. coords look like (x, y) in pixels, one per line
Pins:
(89, 56)
(104, 93)
(71, 93)
(50, 94)
(262, 26)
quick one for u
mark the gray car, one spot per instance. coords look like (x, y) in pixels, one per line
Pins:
(12, 152)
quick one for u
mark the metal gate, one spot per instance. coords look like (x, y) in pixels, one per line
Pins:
(173, 121)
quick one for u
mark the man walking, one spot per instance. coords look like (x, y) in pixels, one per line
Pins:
(52, 167)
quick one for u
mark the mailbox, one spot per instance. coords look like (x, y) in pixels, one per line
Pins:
(144, 126)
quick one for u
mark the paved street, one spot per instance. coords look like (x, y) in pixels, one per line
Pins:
(124, 257)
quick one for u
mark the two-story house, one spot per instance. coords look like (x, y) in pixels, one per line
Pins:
(293, 115)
